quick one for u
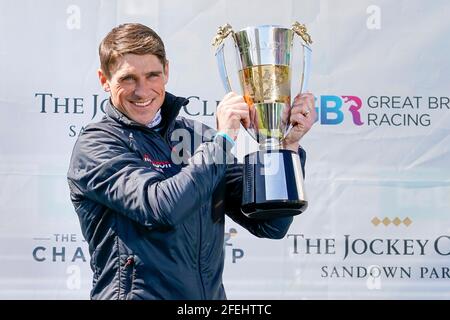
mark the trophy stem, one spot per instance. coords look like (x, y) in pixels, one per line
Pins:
(270, 144)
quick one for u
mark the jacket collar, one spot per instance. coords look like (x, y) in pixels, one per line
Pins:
(169, 111)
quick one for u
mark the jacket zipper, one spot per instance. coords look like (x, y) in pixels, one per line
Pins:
(128, 269)
(199, 254)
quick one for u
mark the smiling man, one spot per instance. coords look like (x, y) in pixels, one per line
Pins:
(155, 227)
(137, 85)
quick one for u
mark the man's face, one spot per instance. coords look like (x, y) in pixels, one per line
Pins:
(137, 86)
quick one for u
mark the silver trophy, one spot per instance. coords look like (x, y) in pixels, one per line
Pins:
(273, 178)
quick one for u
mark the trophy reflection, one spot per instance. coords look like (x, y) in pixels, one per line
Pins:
(273, 179)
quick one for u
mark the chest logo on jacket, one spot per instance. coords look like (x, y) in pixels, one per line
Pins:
(158, 165)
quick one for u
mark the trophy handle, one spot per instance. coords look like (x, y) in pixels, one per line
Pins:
(222, 34)
(307, 55)
(220, 56)
(302, 32)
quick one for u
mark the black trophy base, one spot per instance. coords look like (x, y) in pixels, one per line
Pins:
(273, 185)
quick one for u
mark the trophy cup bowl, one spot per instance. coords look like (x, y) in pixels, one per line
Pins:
(272, 177)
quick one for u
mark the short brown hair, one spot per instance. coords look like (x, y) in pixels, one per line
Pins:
(133, 38)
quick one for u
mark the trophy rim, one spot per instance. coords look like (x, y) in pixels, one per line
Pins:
(268, 26)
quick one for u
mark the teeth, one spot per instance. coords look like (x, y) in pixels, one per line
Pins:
(143, 104)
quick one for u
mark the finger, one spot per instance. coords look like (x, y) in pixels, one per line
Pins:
(297, 97)
(245, 120)
(240, 106)
(227, 105)
(308, 95)
(297, 118)
(308, 119)
(309, 99)
(302, 122)
(234, 99)
(229, 95)
(304, 96)
(235, 107)
(303, 110)
(302, 100)
(242, 116)
(296, 100)
(296, 109)
(236, 110)
(304, 106)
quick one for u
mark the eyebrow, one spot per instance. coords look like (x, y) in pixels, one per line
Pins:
(153, 73)
(148, 74)
(126, 75)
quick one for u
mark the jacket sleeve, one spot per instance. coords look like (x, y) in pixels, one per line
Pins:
(269, 228)
(105, 170)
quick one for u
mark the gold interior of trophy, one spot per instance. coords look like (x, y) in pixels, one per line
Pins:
(266, 83)
(267, 90)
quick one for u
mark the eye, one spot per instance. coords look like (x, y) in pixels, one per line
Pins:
(127, 79)
(153, 75)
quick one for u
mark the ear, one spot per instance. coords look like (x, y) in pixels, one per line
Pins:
(103, 80)
(166, 72)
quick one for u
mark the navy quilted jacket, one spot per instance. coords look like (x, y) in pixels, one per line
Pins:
(155, 223)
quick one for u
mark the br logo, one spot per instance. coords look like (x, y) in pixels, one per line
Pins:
(333, 109)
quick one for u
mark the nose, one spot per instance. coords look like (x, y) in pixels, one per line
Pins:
(142, 88)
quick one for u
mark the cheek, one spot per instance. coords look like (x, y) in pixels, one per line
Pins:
(160, 86)
(123, 91)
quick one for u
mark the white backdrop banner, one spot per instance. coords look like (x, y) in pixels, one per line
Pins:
(378, 168)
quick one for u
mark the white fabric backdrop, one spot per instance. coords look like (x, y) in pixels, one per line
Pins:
(390, 57)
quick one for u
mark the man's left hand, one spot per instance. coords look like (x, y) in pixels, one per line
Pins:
(302, 117)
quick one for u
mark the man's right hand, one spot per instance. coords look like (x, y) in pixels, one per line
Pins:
(232, 110)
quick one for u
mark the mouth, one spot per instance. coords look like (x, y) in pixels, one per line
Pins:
(142, 104)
